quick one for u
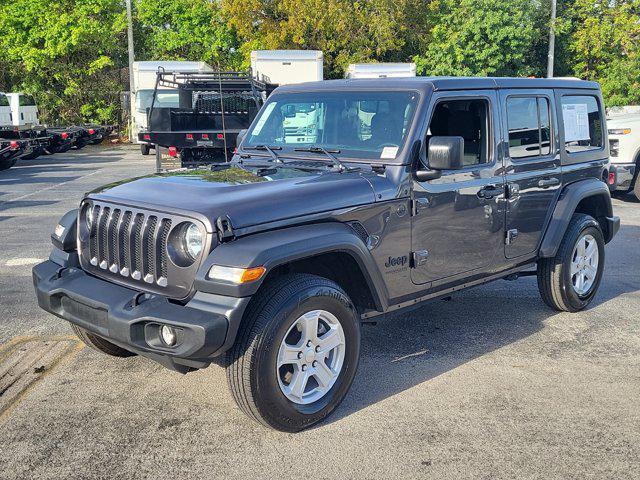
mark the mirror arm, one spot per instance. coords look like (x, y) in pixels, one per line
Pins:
(426, 175)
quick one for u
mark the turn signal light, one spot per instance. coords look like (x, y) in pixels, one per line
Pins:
(236, 275)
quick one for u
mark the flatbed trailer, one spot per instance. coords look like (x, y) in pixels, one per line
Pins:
(213, 108)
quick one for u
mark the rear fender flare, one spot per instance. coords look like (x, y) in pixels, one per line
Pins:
(569, 199)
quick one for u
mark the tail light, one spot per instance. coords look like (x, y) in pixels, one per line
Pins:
(173, 152)
(205, 136)
(146, 136)
(612, 178)
(13, 145)
(64, 135)
(220, 136)
(91, 131)
(189, 136)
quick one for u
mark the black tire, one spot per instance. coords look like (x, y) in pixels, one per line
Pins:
(33, 155)
(100, 344)
(251, 362)
(144, 149)
(554, 274)
(7, 164)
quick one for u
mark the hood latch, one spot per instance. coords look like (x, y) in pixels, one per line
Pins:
(225, 229)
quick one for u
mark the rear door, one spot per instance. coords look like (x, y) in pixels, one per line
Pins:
(532, 166)
(458, 219)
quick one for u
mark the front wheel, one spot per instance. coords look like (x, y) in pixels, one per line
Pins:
(99, 343)
(296, 353)
(569, 281)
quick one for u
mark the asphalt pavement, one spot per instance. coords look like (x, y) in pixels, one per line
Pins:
(491, 384)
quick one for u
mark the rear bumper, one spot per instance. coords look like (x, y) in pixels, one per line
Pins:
(132, 320)
(623, 174)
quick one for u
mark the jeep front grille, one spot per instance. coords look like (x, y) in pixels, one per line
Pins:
(129, 246)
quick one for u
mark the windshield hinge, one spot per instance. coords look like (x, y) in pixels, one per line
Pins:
(224, 229)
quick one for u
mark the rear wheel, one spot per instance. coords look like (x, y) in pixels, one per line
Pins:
(144, 148)
(569, 281)
(296, 353)
(100, 344)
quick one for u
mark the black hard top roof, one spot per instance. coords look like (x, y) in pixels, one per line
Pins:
(441, 83)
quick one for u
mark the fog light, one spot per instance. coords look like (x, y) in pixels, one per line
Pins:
(168, 335)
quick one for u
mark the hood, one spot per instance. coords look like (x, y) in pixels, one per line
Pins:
(247, 198)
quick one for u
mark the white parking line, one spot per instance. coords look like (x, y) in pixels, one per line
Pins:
(50, 187)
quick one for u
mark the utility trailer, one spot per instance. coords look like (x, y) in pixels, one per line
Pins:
(213, 108)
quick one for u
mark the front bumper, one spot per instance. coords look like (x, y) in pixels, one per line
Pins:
(132, 319)
(623, 174)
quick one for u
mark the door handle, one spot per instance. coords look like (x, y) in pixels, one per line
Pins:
(491, 191)
(548, 182)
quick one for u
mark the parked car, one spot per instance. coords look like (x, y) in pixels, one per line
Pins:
(624, 145)
(406, 190)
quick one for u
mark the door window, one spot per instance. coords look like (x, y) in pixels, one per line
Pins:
(582, 120)
(529, 127)
(469, 119)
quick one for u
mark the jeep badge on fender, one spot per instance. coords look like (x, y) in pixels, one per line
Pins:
(268, 264)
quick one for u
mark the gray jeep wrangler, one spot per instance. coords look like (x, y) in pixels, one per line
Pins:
(346, 200)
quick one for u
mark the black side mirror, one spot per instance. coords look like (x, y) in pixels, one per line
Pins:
(241, 134)
(444, 153)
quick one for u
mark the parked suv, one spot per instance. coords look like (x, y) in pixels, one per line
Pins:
(401, 191)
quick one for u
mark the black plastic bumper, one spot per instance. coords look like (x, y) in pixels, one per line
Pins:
(132, 319)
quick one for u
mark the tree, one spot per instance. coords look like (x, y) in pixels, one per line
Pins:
(346, 31)
(485, 37)
(67, 53)
(603, 44)
(185, 30)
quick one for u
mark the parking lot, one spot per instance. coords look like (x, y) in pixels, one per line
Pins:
(491, 384)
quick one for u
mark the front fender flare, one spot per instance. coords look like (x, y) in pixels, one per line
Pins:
(278, 247)
(569, 199)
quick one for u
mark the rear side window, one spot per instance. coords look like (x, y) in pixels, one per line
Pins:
(27, 101)
(4, 101)
(582, 120)
(529, 127)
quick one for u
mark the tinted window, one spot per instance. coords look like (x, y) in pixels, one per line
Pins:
(529, 127)
(358, 124)
(4, 101)
(468, 119)
(582, 123)
(27, 101)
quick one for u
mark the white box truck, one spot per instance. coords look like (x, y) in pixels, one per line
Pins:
(283, 67)
(144, 81)
(381, 70)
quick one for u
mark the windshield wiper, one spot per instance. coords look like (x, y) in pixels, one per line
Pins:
(267, 148)
(329, 153)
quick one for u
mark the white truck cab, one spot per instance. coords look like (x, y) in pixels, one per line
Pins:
(144, 78)
(381, 70)
(23, 109)
(284, 67)
(624, 147)
(6, 119)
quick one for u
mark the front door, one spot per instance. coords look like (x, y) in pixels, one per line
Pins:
(458, 219)
(532, 167)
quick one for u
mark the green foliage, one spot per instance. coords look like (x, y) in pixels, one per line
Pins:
(72, 56)
(484, 37)
(66, 53)
(185, 30)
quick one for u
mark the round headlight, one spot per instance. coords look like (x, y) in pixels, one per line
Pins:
(193, 241)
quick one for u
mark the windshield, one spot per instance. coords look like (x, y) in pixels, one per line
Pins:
(164, 98)
(368, 125)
